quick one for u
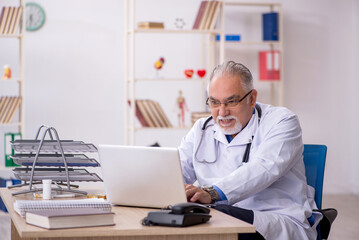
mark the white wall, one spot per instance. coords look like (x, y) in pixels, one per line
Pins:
(74, 73)
(321, 58)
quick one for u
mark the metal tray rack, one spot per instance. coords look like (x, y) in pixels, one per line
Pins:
(46, 159)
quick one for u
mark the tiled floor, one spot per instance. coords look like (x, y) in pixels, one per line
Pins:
(346, 226)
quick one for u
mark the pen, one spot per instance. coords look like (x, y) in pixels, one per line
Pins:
(97, 196)
(39, 195)
(64, 195)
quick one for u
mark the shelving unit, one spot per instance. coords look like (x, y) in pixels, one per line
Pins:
(264, 45)
(207, 45)
(17, 77)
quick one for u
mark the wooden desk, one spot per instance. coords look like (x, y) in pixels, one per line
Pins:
(128, 226)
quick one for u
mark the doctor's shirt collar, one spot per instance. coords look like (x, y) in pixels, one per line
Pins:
(243, 137)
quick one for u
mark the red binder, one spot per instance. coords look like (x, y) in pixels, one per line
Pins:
(269, 65)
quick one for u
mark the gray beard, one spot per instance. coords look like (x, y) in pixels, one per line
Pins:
(230, 131)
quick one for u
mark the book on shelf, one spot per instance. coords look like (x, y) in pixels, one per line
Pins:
(8, 108)
(144, 113)
(23, 206)
(202, 23)
(162, 114)
(3, 17)
(215, 16)
(156, 116)
(269, 65)
(5, 108)
(70, 218)
(197, 115)
(12, 20)
(8, 20)
(211, 14)
(150, 114)
(151, 25)
(207, 15)
(2, 105)
(16, 25)
(139, 115)
(11, 114)
(270, 26)
(199, 15)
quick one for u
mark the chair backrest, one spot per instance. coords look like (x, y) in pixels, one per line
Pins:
(314, 160)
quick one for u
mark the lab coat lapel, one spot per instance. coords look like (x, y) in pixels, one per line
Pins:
(245, 136)
(219, 135)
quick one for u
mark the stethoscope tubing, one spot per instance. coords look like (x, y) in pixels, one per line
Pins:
(205, 126)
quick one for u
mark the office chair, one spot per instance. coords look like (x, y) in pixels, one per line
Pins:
(314, 160)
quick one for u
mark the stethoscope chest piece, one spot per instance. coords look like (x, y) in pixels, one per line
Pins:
(207, 160)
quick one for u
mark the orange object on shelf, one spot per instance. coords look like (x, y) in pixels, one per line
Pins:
(7, 72)
(159, 63)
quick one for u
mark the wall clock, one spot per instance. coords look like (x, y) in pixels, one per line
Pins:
(35, 16)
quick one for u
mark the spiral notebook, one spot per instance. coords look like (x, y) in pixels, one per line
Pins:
(23, 206)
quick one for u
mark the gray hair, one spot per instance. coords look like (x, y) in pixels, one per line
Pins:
(231, 68)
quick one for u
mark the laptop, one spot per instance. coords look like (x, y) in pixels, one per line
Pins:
(142, 176)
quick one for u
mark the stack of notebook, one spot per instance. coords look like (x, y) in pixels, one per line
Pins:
(55, 214)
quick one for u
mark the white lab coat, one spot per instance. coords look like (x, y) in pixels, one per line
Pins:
(272, 183)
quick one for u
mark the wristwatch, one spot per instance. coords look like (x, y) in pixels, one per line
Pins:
(212, 192)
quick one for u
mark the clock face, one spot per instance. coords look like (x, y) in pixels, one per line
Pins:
(35, 16)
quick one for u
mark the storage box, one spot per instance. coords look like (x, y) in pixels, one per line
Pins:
(229, 38)
(7, 148)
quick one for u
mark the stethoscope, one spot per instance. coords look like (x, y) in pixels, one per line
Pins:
(206, 125)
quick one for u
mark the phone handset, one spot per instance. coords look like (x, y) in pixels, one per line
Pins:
(178, 215)
(187, 207)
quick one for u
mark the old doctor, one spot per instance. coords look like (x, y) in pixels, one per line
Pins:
(247, 159)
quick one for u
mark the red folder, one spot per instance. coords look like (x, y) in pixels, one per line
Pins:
(269, 65)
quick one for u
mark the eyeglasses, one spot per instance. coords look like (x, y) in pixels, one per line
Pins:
(212, 103)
